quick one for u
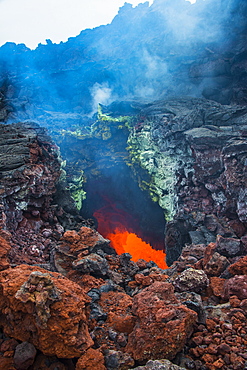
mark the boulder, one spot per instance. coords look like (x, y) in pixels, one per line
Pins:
(162, 326)
(24, 355)
(228, 247)
(236, 286)
(74, 246)
(191, 280)
(45, 309)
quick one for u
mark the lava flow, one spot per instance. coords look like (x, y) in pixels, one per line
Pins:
(111, 224)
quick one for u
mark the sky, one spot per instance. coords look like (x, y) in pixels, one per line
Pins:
(33, 21)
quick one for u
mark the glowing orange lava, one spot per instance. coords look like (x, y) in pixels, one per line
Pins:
(125, 242)
(111, 224)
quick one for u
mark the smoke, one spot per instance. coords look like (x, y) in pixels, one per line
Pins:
(101, 93)
(169, 48)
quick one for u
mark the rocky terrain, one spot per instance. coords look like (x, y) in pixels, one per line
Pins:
(68, 301)
(172, 161)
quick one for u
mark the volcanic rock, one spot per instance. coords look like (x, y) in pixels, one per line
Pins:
(159, 365)
(216, 265)
(236, 286)
(191, 280)
(74, 246)
(159, 315)
(228, 247)
(51, 312)
(118, 360)
(239, 267)
(4, 249)
(118, 307)
(92, 264)
(92, 359)
(24, 355)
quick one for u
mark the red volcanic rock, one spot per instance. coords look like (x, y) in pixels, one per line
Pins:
(74, 247)
(163, 323)
(239, 267)
(209, 251)
(86, 239)
(92, 359)
(7, 363)
(49, 307)
(217, 285)
(216, 265)
(236, 286)
(118, 306)
(4, 249)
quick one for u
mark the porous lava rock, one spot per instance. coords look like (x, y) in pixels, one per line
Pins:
(239, 267)
(162, 326)
(4, 249)
(92, 359)
(159, 365)
(45, 309)
(191, 280)
(74, 247)
(24, 355)
(31, 181)
(118, 360)
(236, 286)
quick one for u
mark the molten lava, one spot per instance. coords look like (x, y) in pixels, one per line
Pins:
(112, 225)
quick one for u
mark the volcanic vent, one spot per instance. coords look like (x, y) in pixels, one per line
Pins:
(115, 195)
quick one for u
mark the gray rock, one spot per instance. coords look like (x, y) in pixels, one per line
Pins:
(92, 264)
(24, 355)
(228, 247)
(191, 280)
(194, 302)
(118, 360)
(159, 365)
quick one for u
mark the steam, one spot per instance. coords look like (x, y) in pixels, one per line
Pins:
(101, 93)
(149, 51)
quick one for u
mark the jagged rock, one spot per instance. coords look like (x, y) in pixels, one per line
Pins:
(64, 330)
(24, 355)
(118, 306)
(118, 360)
(194, 302)
(191, 280)
(228, 247)
(239, 267)
(236, 286)
(4, 249)
(86, 239)
(159, 365)
(39, 288)
(92, 264)
(217, 285)
(92, 359)
(163, 323)
(74, 246)
(216, 265)
(30, 169)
